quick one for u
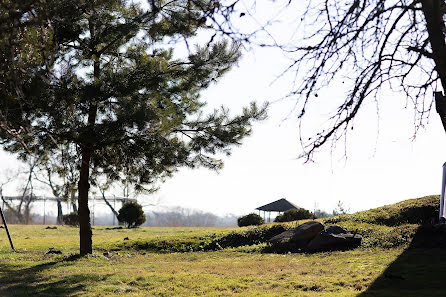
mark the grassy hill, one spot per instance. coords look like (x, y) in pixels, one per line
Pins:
(413, 211)
(387, 226)
(391, 225)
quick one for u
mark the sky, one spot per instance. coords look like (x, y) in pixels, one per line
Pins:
(380, 164)
(383, 164)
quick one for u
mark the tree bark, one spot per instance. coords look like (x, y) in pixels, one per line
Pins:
(433, 15)
(85, 233)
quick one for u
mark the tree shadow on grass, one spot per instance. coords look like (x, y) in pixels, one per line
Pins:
(32, 281)
(419, 271)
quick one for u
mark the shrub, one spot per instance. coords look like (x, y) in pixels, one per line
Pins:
(250, 220)
(71, 219)
(132, 214)
(294, 215)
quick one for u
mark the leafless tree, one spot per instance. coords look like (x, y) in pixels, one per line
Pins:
(20, 213)
(398, 44)
(363, 45)
(7, 177)
(58, 171)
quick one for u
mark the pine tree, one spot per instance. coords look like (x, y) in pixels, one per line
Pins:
(117, 90)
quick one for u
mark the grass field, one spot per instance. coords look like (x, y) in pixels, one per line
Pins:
(149, 264)
(230, 272)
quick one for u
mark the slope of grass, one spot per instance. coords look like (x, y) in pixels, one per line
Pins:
(387, 226)
(413, 211)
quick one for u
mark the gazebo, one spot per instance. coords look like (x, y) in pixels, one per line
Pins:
(279, 206)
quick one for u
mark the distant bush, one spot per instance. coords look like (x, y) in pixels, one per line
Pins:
(132, 214)
(294, 215)
(71, 219)
(251, 219)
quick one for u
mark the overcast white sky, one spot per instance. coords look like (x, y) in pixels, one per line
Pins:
(383, 164)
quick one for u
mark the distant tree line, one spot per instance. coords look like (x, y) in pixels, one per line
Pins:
(183, 217)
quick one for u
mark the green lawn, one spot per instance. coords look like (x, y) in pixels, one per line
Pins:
(116, 270)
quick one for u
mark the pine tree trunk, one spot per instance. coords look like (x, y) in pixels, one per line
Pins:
(85, 233)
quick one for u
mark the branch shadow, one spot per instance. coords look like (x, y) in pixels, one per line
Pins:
(32, 281)
(419, 271)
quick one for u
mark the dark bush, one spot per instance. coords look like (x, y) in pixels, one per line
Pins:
(250, 220)
(71, 219)
(294, 215)
(132, 214)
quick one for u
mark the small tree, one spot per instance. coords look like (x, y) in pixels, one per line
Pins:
(294, 215)
(249, 220)
(340, 209)
(132, 214)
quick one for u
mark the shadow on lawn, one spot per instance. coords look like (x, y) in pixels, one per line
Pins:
(419, 271)
(32, 281)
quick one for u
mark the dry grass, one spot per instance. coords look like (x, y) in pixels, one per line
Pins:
(229, 272)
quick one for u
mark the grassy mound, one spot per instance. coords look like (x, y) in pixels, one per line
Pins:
(387, 226)
(381, 236)
(246, 236)
(413, 211)
(391, 225)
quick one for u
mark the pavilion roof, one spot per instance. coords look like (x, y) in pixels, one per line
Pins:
(279, 205)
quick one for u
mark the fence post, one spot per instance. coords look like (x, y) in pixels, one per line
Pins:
(44, 211)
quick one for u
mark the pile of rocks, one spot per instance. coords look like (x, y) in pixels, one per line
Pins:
(313, 237)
